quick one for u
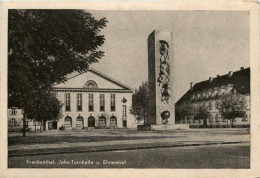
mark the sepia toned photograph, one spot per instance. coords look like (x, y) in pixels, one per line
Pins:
(128, 89)
(146, 89)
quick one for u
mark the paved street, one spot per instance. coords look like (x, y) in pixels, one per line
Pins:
(193, 148)
(209, 156)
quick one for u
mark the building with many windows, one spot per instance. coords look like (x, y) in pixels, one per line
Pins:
(209, 92)
(93, 100)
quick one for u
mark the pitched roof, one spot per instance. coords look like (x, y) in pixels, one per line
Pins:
(240, 80)
(125, 87)
(110, 79)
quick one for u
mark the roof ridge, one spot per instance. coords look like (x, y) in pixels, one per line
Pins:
(101, 74)
(248, 68)
(240, 80)
(113, 80)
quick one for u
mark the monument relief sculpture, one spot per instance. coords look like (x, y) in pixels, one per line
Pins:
(164, 73)
(161, 80)
(165, 116)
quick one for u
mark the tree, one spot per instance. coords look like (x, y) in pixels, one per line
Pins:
(203, 113)
(185, 111)
(44, 106)
(44, 46)
(140, 103)
(233, 106)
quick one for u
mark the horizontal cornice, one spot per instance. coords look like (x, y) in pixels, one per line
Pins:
(104, 90)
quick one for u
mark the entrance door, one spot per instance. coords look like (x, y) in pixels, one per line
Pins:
(124, 124)
(55, 125)
(91, 122)
(68, 122)
(49, 125)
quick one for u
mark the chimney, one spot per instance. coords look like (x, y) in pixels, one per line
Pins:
(218, 76)
(210, 79)
(230, 73)
(242, 68)
(191, 85)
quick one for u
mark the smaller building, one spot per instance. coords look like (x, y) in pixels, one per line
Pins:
(209, 92)
(15, 121)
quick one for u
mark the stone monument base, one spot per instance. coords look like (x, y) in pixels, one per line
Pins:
(170, 127)
(163, 127)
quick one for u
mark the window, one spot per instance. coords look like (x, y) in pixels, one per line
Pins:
(13, 112)
(102, 102)
(210, 106)
(112, 102)
(216, 105)
(90, 102)
(79, 102)
(124, 110)
(13, 122)
(90, 84)
(67, 101)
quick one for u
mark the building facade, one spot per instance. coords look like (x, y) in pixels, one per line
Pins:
(209, 92)
(15, 121)
(15, 118)
(93, 100)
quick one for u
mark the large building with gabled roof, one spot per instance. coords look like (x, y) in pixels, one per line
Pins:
(209, 92)
(93, 100)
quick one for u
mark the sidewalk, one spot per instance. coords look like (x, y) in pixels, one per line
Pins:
(65, 147)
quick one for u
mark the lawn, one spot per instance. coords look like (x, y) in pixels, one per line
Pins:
(17, 140)
(113, 135)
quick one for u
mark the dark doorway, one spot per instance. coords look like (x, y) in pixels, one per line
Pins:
(55, 125)
(124, 124)
(113, 122)
(91, 122)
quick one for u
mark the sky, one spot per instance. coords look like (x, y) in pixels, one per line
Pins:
(205, 44)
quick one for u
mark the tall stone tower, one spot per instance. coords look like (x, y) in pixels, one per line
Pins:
(161, 78)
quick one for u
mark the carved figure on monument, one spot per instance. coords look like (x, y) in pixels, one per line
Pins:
(164, 74)
(165, 115)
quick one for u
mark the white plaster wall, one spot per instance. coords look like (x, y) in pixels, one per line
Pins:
(85, 113)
